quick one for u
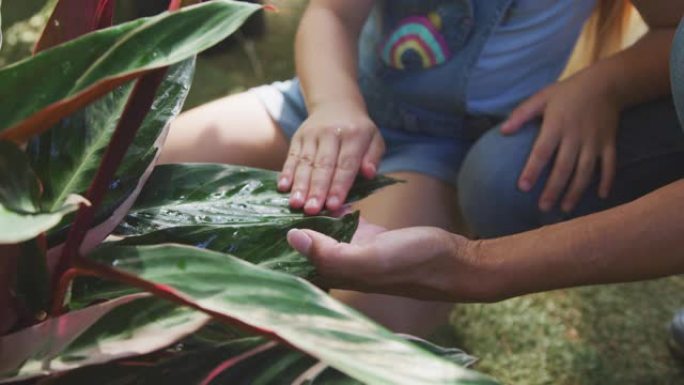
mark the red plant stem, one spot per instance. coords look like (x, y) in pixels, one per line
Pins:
(104, 15)
(175, 5)
(64, 282)
(138, 105)
(134, 113)
(236, 360)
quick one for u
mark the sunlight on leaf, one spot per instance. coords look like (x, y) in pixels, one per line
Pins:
(291, 309)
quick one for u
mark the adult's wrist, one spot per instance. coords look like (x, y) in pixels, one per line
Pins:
(486, 274)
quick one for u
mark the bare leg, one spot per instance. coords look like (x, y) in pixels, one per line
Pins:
(422, 201)
(236, 129)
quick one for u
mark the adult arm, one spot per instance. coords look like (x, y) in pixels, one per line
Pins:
(640, 240)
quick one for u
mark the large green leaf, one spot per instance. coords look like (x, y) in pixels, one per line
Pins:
(291, 309)
(128, 326)
(21, 217)
(261, 244)
(68, 156)
(87, 68)
(213, 194)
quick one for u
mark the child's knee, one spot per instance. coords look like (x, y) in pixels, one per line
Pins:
(490, 200)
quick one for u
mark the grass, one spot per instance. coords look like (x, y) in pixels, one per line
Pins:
(603, 335)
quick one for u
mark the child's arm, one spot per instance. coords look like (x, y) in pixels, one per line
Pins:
(338, 139)
(581, 114)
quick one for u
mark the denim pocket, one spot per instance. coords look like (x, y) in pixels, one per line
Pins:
(420, 35)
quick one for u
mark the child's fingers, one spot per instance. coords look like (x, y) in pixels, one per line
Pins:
(581, 180)
(541, 154)
(369, 165)
(323, 169)
(608, 165)
(287, 173)
(348, 163)
(302, 174)
(562, 169)
(528, 110)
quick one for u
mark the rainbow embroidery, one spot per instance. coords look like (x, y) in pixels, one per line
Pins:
(416, 36)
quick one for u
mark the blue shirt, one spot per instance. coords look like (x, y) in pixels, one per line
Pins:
(527, 50)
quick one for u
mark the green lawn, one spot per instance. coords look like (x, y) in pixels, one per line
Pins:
(608, 335)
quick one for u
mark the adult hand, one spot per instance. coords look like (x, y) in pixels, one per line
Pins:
(580, 119)
(336, 142)
(418, 262)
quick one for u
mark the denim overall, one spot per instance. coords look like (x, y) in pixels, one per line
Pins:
(415, 57)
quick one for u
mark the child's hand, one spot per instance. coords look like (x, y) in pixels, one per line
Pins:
(580, 119)
(336, 142)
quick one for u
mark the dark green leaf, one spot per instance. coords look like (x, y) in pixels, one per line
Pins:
(68, 156)
(290, 308)
(212, 194)
(21, 217)
(263, 244)
(89, 67)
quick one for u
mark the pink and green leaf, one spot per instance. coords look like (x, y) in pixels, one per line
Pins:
(125, 327)
(82, 70)
(288, 308)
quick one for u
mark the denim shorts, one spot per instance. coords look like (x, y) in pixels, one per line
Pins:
(439, 157)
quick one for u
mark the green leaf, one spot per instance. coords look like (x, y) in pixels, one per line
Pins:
(21, 217)
(67, 157)
(87, 68)
(128, 326)
(213, 195)
(289, 308)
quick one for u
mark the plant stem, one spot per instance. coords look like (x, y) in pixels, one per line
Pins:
(62, 289)
(136, 109)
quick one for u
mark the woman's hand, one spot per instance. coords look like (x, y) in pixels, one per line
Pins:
(580, 120)
(336, 142)
(418, 262)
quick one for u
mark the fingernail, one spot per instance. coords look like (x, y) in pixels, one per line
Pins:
(312, 204)
(525, 185)
(299, 240)
(298, 197)
(545, 205)
(505, 125)
(333, 203)
(372, 170)
(283, 182)
(567, 207)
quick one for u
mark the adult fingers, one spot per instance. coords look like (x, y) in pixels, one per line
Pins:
(371, 161)
(323, 169)
(541, 154)
(336, 262)
(528, 110)
(583, 174)
(562, 170)
(608, 165)
(348, 163)
(287, 173)
(302, 173)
